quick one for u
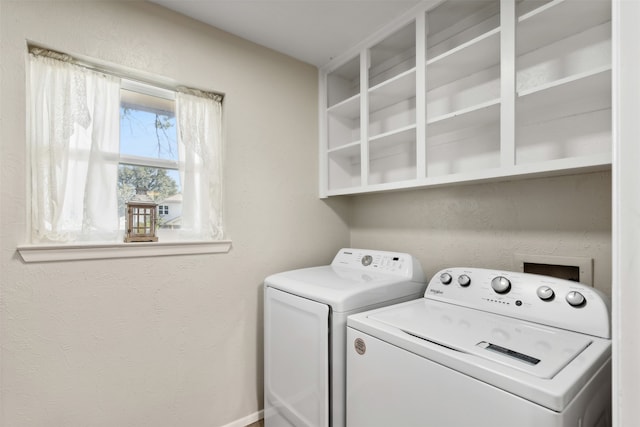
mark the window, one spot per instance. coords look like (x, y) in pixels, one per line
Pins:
(96, 139)
(148, 148)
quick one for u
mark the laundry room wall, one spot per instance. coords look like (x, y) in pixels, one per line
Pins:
(169, 341)
(484, 225)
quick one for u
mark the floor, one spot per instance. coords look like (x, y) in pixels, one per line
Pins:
(257, 424)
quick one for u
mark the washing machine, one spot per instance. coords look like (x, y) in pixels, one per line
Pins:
(483, 348)
(305, 313)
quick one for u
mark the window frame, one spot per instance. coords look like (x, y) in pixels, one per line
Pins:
(48, 252)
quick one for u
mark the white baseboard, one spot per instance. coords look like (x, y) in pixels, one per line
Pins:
(249, 419)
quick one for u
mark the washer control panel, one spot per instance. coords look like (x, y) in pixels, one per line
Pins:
(393, 263)
(541, 299)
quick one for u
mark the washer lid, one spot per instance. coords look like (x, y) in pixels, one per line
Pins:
(459, 338)
(344, 289)
(536, 350)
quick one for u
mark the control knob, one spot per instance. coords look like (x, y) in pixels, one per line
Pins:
(464, 280)
(575, 299)
(445, 278)
(501, 285)
(545, 293)
(367, 260)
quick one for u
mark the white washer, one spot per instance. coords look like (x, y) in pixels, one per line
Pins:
(305, 313)
(483, 348)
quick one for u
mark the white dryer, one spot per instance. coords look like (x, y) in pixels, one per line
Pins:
(483, 348)
(305, 313)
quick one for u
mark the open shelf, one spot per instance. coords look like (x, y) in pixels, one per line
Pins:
(463, 151)
(348, 108)
(557, 20)
(575, 55)
(571, 87)
(342, 130)
(390, 92)
(392, 156)
(569, 137)
(470, 117)
(569, 118)
(395, 54)
(348, 150)
(394, 138)
(343, 82)
(475, 55)
(454, 23)
(344, 167)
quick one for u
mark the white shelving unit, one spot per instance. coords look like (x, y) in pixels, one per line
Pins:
(461, 91)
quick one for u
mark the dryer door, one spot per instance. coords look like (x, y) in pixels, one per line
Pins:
(296, 361)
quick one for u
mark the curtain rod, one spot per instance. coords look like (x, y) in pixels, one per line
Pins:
(48, 53)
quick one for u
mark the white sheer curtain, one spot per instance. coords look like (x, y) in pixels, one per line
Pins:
(199, 121)
(74, 143)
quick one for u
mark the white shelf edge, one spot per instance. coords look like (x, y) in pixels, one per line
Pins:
(392, 79)
(565, 80)
(539, 10)
(464, 46)
(57, 252)
(556, 167)
(477, 107)
(343, 147)
(392, 132)
(343, 103)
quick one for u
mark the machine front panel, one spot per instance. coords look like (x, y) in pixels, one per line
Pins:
(296, 361)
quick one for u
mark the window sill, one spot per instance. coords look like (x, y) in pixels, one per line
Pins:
(47, 253)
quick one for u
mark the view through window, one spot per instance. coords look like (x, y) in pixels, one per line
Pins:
(149, 152)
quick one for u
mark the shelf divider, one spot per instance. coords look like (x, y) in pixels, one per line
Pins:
(507, 83)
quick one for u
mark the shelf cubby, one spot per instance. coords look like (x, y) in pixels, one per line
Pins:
(390, 92)
(473, 56)
(457, 23)
(567, 118)
(343, 123)
(345, 167)
(464, 151)
(393, 55)
(558, 20)
(343, 82)
(563, 82)
(392, 156)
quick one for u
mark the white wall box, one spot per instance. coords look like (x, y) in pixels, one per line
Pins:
(461, 91)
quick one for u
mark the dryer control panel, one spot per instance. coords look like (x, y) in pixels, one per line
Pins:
(393, 263)
(541, 299)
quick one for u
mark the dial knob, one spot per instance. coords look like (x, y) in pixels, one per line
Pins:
(545, 293)
(501, 285)
(445, 278)
(464, 280)
(367, 260)
(575, 299)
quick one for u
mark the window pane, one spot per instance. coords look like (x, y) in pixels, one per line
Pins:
(147, 126)
(161, 185)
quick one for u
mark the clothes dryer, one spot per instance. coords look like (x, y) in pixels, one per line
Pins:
(305, 313)
(483, 348)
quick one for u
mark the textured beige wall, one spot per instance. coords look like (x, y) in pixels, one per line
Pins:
(483, 225)
(171, 341)
(178, 342)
